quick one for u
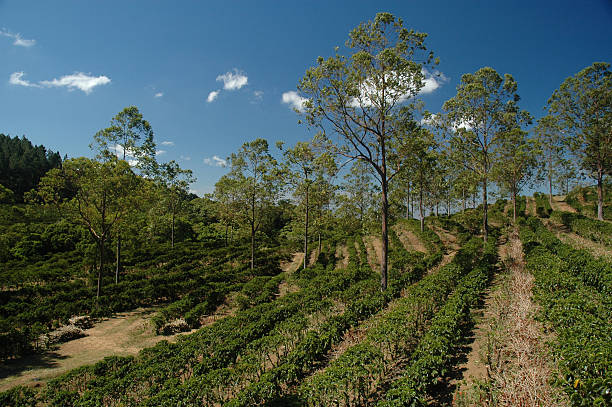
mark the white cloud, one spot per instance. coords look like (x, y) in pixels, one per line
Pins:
(431, 120)
(19, 41)
(186, 158)
(233, 80)
(158, 94)
(160, 152)
(215, 161)
(78, 80)
(212, 96)
(167, 143)
(462, 124)
(294, 100)
(432, 82)
(16, 79)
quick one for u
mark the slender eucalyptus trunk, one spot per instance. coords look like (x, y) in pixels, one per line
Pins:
(513, 206)
(100, 268)
(118, 261)
(600, 193)
(485, 215)
(385, 237)
(226, 227)
(172, 233)
(421, 214)
(253, 233)
(463, 199)
(550, 181)
(306, 228)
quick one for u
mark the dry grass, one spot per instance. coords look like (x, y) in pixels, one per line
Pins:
(519, 365)
(122, 335)
(342, 255)
(409, 240)
(373, 245)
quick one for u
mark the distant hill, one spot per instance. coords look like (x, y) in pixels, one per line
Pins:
(22, 164)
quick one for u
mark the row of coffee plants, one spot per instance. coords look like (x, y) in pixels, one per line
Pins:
(575, 301)
(543, 208)
(161, 369)
(434, 354)
(355, 377)
(590, 228)
(592, 271)
(32, 310)
(275, 385)
(584, 200)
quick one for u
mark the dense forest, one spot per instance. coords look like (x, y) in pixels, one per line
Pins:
(353, 269)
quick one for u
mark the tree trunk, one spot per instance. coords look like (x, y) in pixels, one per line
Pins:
(437, 204)
(385, 237)
(118, 261)
(226, 227)
(252, 246)
(463, 199)
(474, 200)
(514, 206)
(550, 181)
(306, 229)
(421, 208)
(485, 223)
(100, 268)
(599, 193)
(172, 233)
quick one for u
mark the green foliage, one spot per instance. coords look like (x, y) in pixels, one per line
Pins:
(543, 208)
(574, 290)
(595, 230)
(22, 165)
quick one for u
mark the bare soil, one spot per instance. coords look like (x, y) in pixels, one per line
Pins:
(342, 255)
(559, 204)
(567, 236)
(510, 351)
(294, 264)
(122, 335)
(530, 207)
(373, 245)
(410, 241)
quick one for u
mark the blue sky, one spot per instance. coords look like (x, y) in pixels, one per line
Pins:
(67, 67)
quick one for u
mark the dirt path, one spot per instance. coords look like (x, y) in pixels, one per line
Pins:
(559, 204)
(567, 236)
(342, 256)
(448, 239)
(530, 207)
(410, 241)
(294, 264)
(510, 351)
(373, 245)
(122, 335)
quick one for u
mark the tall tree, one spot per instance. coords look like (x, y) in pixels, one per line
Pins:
(358, 97)
(101, 192)
(551, 143)
(479, 114)
(175, 190)
(583, 106)
(254, 173)
(515, 163)
(304, 166)
(129, 137)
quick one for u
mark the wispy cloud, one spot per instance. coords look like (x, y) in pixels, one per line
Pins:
(167, 143)
(215, 161)
(233, 80)
(78, 80)
(158, 94)
(294, 100)
(160, 152)
(258, 94)
(186, 158)
(18, 39)
(16, 79)
(212, 96)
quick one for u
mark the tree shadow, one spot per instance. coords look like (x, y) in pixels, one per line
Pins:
(38, 360)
